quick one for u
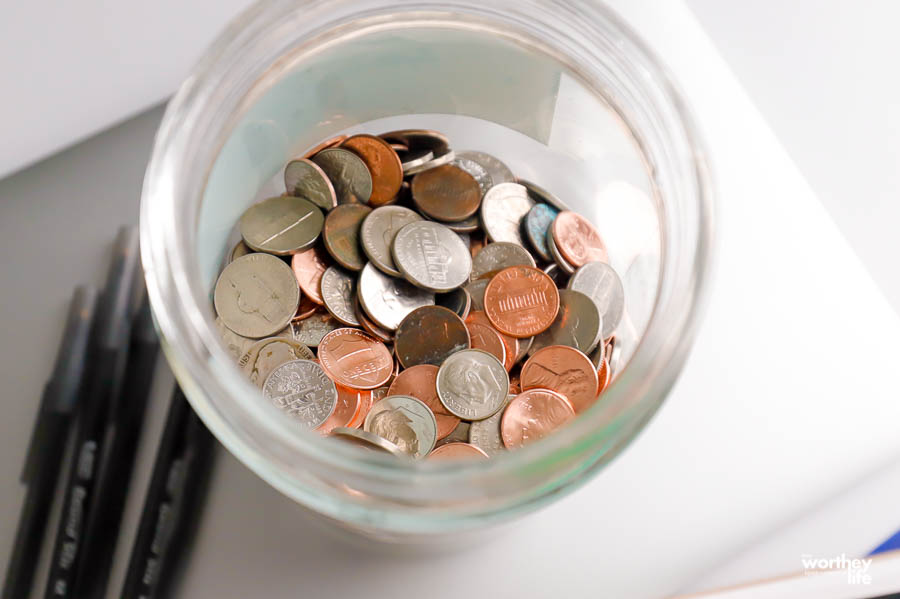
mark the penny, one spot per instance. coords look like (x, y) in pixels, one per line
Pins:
(472, 384)
(428, 335)
(266, 355)
(236, 345)
(578, 324)
(510, 343)
(533, 415)
(256, 295)
(281, 225)
(310, 331)
(599, 281)
(420, 382)
(577, 240)
(339, 295)
(387, 300)
(485, 434)
(494, 257)
(446, 193)
(306, 309)
(349, 403)
(475, 290)
(431, 257)
(565, 370)
(366, 440)
(355, 359)
(535, 227)
(498, 171)
(603, 376)
(485, 338)
(460, 433)
(458, 300)
(367, 398)
(478, 172)
(328, 143)
(383, 164)
(411, 160)
(539, 194)
(377, 235)
(303, 391)
(240, 249)
(457, 451)
(502, 210)
(404, 421)
(309, 266)
(341, 235)
(303, 178)
(348, 174)
(370, 326)
(397, 147)
(561, 263)
(521, 301)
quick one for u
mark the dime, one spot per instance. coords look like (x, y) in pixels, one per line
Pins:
(256, 295)
(309, 266)
(348, 174)
(236, 345)
(366, 440)
(502, 210)
(266, 355)
(328, 143)
(355, 359)
(472, 384)
(478, 172)
(310, 331)
(428, 335)
(599, 281)
(431, 256)
(460, 433)
(281, 225)
(458, 300)
(494, 257)
(404, 421)
(377, 235)
(240, 249)
(387, 300)
(498, 171)
(510, 343)
(446, 193)
(565, 370)
(533, 415)
(475, 290)
(577, 324)
(485, 434)
(561, 263)
(420, 382)
(411, 160)
(457, 451)
(521, 301)
(349, 403)
(303, 178)
(341, 235)
(302, 390)
(383, 164)
(539, 194)
(536, 225)
(577, 240)
(339, 295)
(485, 338)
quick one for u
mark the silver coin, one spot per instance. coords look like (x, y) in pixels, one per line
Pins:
(387, 300)
(498, 171)
(404, 421)
(578, 324)
(366, 440)
(556, 273)
(485, 434)
(502, 210)
(600, 282)
(268, 354)
(472, 384)
(535, 227)
(240, 249)
(310, 331)
(524, 347)
(459, 435)
(348, 174)
(303, 390)
(476, 292)
(421, 140)
(256, 295)
(281, 225)
(438, 159)
(378, 231)
(303, 178)
(478, 172)
(236, 345)
(496, 256)
(539, 194)
(413, 159)
(432, 256)
(562, 263)
(339, 295)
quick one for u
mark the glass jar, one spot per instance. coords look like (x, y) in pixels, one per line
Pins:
(560, 90)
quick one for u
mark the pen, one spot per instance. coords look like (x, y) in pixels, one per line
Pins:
(48, 441)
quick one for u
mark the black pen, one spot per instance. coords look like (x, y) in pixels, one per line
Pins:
(105, 369)
(173, 503)
(48, 442)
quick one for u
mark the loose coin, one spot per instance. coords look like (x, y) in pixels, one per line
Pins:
(463, 227)
(577, 240)
(460, 433)
(498, 171)
(603, 376)
(524, 347)
(387, 300)
(256, 295)
(348, 174)
(303, 178)
(328, 143)
(411, 160)
(366, 440)
(510, 343)
(310, 331)
(349, 403)
(446, 193)
(306, 309)
(377, 235)
(539, 194)
(341, 235)
(614, 357)
(458, 300)
(457, 451)
(355, 359)
(565, 370)
(421, 140)
(485, 338)
(494, 257)
(577, 324)
(431, 256)
(599, 281)
(236, 345)
(303, 390)
(404, 421)
(428, 335)
(266, 355)
(521, 301)
(561, 263)
(339, 295)
(476, 242)
(472, 384)
(421, 382)
(485, 434)
(240, 249)
(533, 415)
(383, 164)
(367, 398)
(309, 266)
(560, 278)
(370, 326)
(475, 290)
(502, 210)
(536, 225)
(515, 382)
(281, 225)
(478, 172)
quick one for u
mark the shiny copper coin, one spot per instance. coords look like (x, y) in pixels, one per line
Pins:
(521, 301)
(577, 240)
(355, 359)
(457, 451)
(421, 382)
(306, 309)
(370, 326)
(341, 235)
(383, 164)
(510, 343)
(533, 415)
(328, 143)
(346, 410)
(309, 266)
(486, 338)
(446, 193)
(367, 399)
(603, 376)
(428, 335)
(565, 370)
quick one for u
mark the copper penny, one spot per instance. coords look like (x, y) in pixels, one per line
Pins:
(603, 376)
(383, 163)
(306, 309)
(328, 143)
(521, 301)
(456, 451)
(510, 343)
(346, 411)
(420, 382)
(367, 399)
(533, 415)
(486, 338)
(341, 235)
(428, 335)
(309, 266)
(355, 359)
(564, 370)
(446, 193)
(577, 240)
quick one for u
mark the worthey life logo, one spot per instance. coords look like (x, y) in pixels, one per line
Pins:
(857, 568)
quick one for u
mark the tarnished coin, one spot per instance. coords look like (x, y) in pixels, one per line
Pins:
(561, 263)
(521, 301)
(348, 174)
(355, 359)
(478, 172)
(494, 257)
(565, 370)
(486, 338)
(310, 331)
(457, 451)
(377, 235)
(431, 256)
(510, 344)
(328, 143)
(404, 421)
(256, 295)
(429, 335)
(309, 266)
(476, 292)
(502, 210)
(349, 403)
(577, 240)
(387, 300)
(578, 324)
(421, 382)
(411, 160)
(498, 171)
(599, 281)
(341, 235)
(539, 194)
(533, 415)
(460, 433)
(303, 178)
(366, 440)
(281, 225)
(485, 434)
(236, 345)
(458, 300)
(240, 249)
(383, 164)
(472, 384)
(339, 295)
(446, 193)
(303, 390)
(266, 355)
(536, 226)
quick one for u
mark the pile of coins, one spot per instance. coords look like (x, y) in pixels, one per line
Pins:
(455, 310)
